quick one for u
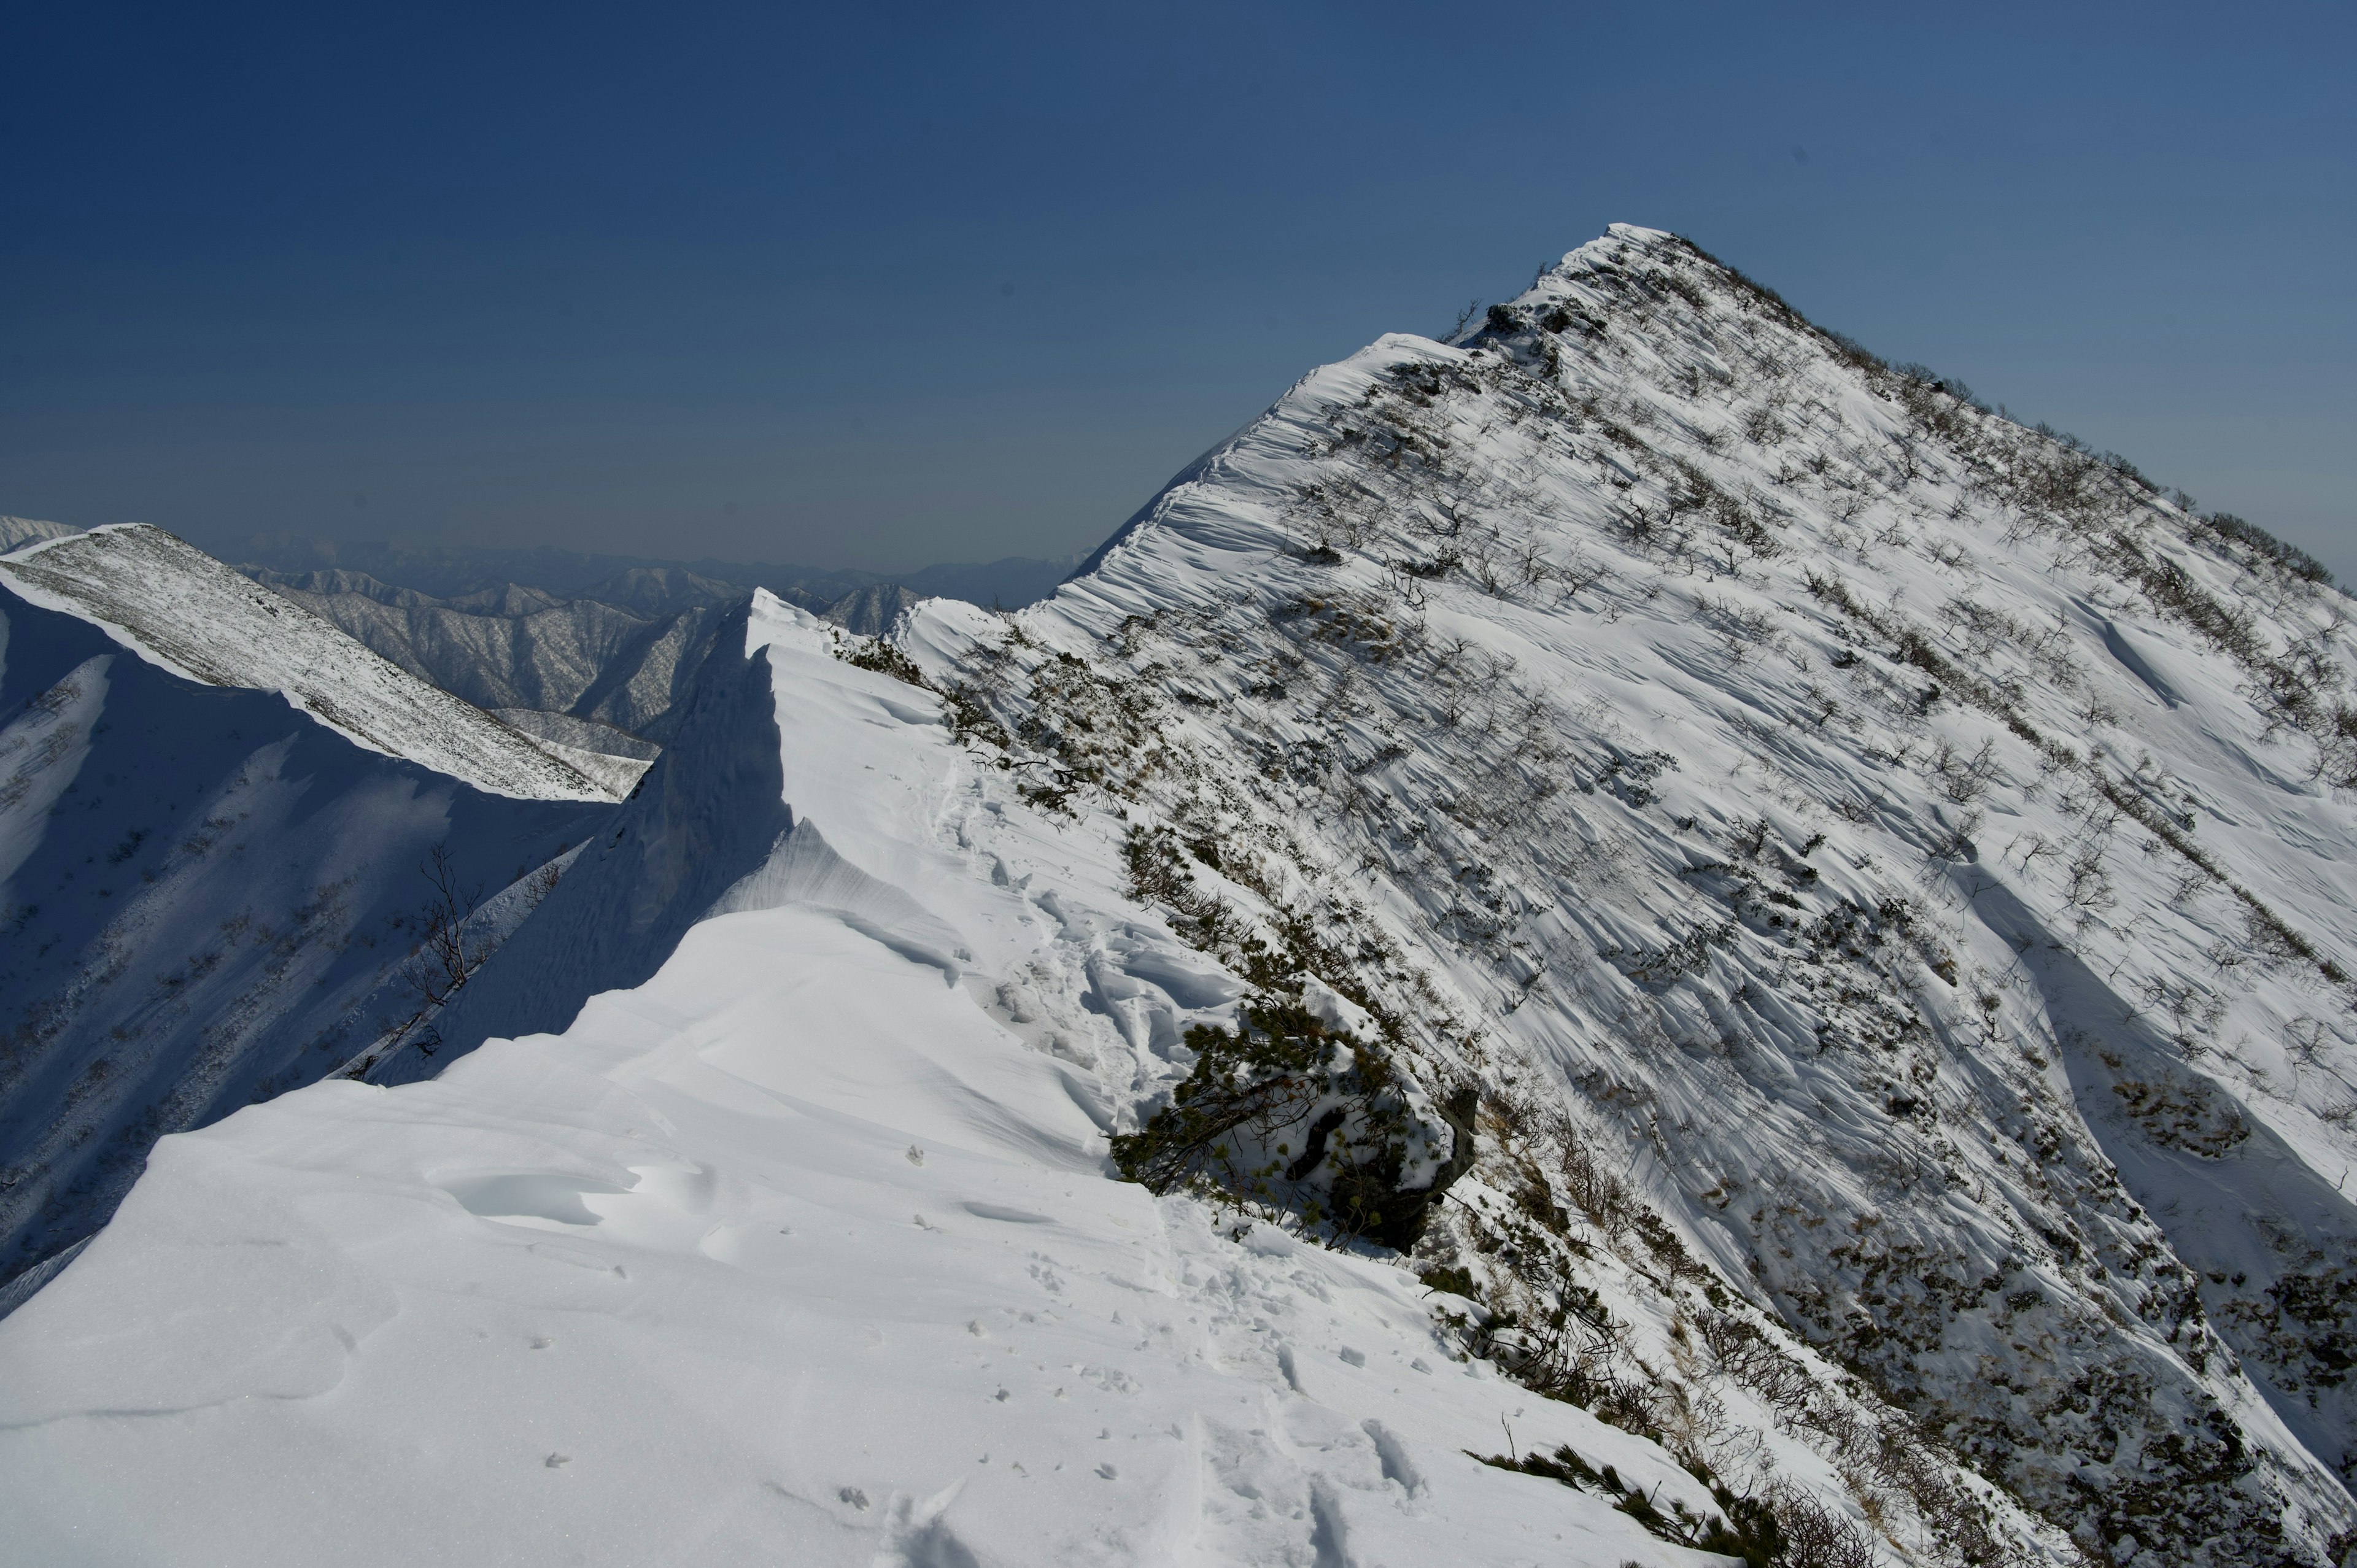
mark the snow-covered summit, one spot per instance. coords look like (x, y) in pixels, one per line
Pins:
(1877, 869)
(179, 608)
(1906, 846)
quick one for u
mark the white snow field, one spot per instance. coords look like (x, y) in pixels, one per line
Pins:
(803, 1252)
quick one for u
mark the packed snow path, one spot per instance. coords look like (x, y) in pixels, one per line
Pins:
(805, 1251)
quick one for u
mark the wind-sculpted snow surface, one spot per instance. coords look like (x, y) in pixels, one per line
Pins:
(1886, 867)
(179, 608)
(802, 1251)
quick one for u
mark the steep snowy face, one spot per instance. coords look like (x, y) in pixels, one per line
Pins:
(1885, 868)
(180, 609)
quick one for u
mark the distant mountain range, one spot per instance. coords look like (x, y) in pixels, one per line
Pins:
(605, 639)
(450, 572)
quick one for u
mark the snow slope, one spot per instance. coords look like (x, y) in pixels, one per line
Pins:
(182, 610)
(802, 1250)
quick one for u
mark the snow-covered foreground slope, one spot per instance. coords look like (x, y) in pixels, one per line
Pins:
(181, 609)
(803, 1251)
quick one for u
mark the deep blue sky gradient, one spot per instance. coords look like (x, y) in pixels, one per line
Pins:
(881, 285)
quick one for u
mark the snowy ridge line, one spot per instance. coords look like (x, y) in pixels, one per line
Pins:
(1881, 1128)
(179, 610)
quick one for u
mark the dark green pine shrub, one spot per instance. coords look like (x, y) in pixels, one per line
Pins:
(1284, 1112)
(1747, 1527)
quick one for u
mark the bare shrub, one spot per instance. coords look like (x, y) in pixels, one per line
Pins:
(1815, 1536)
(1963, 779)
(448, 954)
(1607, 1200)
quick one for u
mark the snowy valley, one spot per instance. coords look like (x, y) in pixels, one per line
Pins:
(1630, 936)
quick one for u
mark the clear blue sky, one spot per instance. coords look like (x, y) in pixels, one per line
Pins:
(884, 285)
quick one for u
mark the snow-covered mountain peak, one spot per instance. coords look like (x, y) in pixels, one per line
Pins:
(1842, 895)
(1901, 840)
(1618, 241)
(182, 610)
